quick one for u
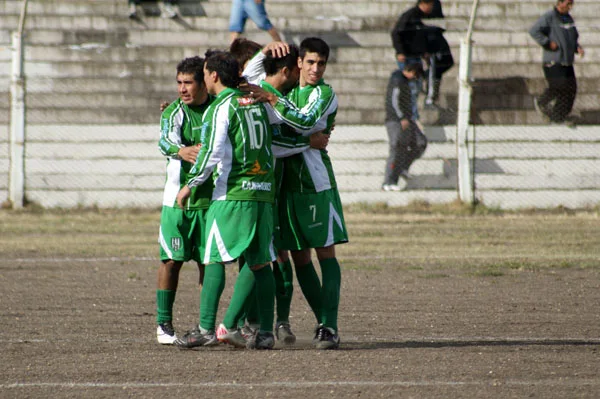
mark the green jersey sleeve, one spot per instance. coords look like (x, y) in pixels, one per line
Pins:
(312, 117)
(171, 122)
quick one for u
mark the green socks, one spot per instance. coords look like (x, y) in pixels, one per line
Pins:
(241, 292)
(265, 295)
(214, 283)
(330, 292)
(284, 288)
(311, 287)
(164, 305)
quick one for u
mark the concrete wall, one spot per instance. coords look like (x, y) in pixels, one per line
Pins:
(515, 166)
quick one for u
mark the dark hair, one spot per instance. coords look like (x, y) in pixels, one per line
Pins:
(425, 1)
(243, 49)
(193, 65)
(314, 45)
(226, 66)
(275, 64)
(414, 67)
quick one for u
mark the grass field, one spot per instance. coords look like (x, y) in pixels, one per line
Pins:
(435, 303)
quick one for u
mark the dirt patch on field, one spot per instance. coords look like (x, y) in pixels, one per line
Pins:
(508, 313)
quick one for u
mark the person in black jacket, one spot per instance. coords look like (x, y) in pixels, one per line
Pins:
(436, 12)
(409, 38)
(440, 60)
(407, 142)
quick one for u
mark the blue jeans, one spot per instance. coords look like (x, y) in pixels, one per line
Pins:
(414, 85)
(244, 9)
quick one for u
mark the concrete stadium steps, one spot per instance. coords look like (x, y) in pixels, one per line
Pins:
(380, 25)
(150, 112)
(364, 47)
(164, 69)
(104, 50)
(277, 8)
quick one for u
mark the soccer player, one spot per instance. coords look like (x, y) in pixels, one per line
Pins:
(277, 73)
(181, 229)
(312, 210)
(236, 148)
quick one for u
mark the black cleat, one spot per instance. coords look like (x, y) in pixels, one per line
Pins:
(195, 338)
(326, 338)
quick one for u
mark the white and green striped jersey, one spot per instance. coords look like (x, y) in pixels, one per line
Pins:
(237, 149)
(255, 71)
(180, 126)
(311, 171)
(304, 123)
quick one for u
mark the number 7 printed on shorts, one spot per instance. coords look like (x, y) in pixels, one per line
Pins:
(313, 208)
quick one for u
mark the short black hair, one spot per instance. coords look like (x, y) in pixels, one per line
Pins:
(243, 49)
(425, 1)
(416, 67)
(226, 66)
(193, 65)
(275, 64)
(314, 45)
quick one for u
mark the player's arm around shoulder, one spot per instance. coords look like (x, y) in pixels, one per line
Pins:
(171, 123)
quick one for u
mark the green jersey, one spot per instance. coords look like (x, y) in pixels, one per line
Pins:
(180, 126)
(286, 138)
(236, 149)
(311, 171)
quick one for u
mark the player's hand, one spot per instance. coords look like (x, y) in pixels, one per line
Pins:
(405, 123)
(401, 57)
(580, 51)
(553, 46)
(319, 140)
(259, 94)
(189, 154)
(278, 49)
(183, 195)
(164, 105)
(258, 1)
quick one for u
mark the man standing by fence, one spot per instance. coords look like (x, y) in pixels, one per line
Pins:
(555, 31)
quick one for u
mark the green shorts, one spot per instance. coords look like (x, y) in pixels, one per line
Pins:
(236, 228)
(181, 234)
(313, 220)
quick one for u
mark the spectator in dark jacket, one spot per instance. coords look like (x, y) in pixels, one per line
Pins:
(440, 60)
(406, 141)
(437, 10)
(555, 31)
(409, 38)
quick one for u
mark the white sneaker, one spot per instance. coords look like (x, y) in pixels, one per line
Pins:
(168, 10)
(391, 187)
(400, 186)
(165, 334)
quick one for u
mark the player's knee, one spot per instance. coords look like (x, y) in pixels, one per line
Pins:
(172, 265)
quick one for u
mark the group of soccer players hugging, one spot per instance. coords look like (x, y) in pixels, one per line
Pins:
(249, 182)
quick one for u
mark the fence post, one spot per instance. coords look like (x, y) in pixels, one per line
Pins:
(465, 174)
(465, 179)
(16, 189)
(16, 186)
